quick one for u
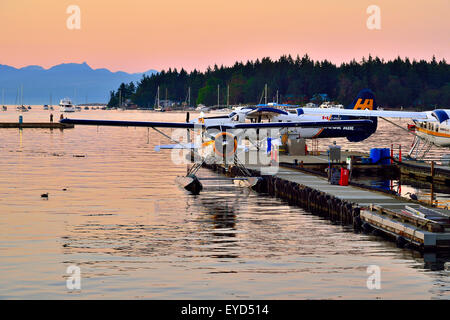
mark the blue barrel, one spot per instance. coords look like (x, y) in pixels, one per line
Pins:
(20, 119)
(385, 156)
(375, 155)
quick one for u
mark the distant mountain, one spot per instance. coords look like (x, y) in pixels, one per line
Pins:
(77, 81)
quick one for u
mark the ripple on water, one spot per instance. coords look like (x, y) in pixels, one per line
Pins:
(133, 233)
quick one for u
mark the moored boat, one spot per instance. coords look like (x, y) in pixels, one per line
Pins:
(65, 105)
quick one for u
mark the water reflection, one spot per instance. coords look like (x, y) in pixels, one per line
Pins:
(135, 234)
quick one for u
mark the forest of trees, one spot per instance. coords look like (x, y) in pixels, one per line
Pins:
(400, 82)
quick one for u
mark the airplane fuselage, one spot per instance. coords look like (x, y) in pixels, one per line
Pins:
(434, 132)
(241, 116)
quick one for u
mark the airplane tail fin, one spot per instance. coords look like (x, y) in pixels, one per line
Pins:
(364, 100)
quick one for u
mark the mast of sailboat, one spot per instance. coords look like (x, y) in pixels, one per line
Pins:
(157, 98)
(188, 98)
(265, 94)
(218, 95)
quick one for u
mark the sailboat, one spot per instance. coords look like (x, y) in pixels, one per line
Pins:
(158, 107)
(46, 106)
(21, 108)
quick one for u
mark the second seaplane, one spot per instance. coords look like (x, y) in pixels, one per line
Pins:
(219, 139)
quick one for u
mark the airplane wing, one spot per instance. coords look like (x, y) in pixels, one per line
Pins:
(362, 113)
(188, 125)
(149, 124)
(303, 124)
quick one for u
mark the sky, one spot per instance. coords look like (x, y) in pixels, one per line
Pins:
(138, 35)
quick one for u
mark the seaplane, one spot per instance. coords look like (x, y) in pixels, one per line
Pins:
(430, 128)
(220, 138)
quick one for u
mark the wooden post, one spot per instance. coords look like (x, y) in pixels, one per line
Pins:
(432, 170)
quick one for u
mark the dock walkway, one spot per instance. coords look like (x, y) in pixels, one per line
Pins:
(36, 125)
(345, 193)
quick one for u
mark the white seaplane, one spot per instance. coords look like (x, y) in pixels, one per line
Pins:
(224, 135)
(430, 127)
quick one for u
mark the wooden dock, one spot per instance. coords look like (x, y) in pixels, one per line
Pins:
(367, 210)
(36, 125)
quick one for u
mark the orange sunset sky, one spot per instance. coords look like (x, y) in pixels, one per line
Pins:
(137, 35)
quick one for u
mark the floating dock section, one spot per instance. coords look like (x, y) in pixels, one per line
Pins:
(421, 226)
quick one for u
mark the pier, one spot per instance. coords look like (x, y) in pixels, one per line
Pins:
(36, 125)
(408, 222)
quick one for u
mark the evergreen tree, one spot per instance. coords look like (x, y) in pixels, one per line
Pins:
(399, 82)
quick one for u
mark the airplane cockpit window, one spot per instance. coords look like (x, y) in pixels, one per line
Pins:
(231, 115)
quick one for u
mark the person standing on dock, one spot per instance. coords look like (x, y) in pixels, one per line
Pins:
(51, 117)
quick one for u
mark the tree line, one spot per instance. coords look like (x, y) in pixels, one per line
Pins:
(396, 83)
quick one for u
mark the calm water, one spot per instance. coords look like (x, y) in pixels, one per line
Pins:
(134, 234)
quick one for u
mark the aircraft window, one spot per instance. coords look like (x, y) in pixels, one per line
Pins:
(232, 114)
